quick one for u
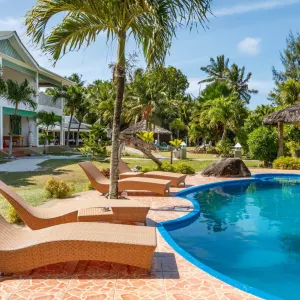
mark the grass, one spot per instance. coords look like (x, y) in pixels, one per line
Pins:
(30, 185)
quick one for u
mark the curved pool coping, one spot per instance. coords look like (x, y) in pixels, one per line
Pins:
(190, 217)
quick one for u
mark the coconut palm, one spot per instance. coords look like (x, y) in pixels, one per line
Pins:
(17, 94)
(216, 70)
(239, 83)
(46, 120)
(178, 125)
(227, 111)
(152, 23)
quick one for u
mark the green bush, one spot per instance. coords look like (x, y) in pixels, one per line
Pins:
(58, 188)
(287, 163)
(147, 169)
(89, 187)
(224, 147)
(167, 167)
(185, 169)
(13, 217)
(263, 144)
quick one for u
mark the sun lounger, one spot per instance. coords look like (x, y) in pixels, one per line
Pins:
(176, 178)
(42, 217)
(101, 183)
(22, 249)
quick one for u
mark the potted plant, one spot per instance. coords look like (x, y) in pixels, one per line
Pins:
(294, 147)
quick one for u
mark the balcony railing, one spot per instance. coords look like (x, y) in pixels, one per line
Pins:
(47, 100)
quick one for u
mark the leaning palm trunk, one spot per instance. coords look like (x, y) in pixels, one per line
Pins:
(119, 74)
(78, 131)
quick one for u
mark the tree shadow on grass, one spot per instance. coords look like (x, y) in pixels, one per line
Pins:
(49, 167)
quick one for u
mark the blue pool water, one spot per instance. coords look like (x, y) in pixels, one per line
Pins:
(249, 231)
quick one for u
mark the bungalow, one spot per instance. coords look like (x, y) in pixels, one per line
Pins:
(18, 64)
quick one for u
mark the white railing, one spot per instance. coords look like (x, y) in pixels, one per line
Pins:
(47, 100)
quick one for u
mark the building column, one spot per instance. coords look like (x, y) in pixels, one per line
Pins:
(36, 133)
(1, 127)
(37, 87)
(62, 132)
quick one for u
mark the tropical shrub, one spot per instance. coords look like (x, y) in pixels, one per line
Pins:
(224, 147)
(167, 167)
(58, 188)
(148, 169)
(263, 144)
(185, 169)
(13, 217)
(89, 187)
(293, 146)
(146, 136)
(287, 163)
(176, 143)
(106, 172)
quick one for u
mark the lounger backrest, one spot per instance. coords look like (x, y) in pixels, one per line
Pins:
(123, 168)
(92, 172)
(26, 212)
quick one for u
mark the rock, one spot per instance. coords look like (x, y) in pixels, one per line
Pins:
(227, 167)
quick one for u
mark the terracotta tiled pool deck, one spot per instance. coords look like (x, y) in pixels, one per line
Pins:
(171, 278)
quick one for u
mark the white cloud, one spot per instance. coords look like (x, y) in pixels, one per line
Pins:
(262, 5)
(10, 23)
(194, 87)
(249, 46)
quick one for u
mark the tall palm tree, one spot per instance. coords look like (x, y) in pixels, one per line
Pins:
(73, 97)
(17, 94)
(227, 111)
(152, 23)
(216, 70)
(46, 120)
(239, 83)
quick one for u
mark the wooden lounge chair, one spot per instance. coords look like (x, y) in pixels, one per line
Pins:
(125, 171)
(176, 178)
(22, 250)
(42, 217)
(101, 183)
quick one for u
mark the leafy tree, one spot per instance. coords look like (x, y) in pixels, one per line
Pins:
(152, 23)
(178, 125)
(286, 93)
(81, 113)
(16, 94)
(46, 120)
(263, 144)
(290, 59)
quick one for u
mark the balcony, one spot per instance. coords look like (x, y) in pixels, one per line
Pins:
(47, 100)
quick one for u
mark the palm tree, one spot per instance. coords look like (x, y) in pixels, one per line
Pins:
(152, 23)
(216, 70)
(227, 111)
(178, 125)
(17, 94)
(73, 97)
(82, 112)
(239, 83)
(46, 120)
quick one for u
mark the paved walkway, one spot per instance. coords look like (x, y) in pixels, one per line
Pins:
(28, 164)
(171, 278)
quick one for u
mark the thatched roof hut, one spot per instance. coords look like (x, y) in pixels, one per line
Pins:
(142, 126)
(287, 115)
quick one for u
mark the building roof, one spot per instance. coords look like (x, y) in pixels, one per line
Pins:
(142, 126)
(75, 124)
(287, 115)
(28, 59)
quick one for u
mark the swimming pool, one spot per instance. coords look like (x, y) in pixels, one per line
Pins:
(247, 233)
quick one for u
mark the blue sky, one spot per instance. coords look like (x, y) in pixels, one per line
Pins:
(249, 32)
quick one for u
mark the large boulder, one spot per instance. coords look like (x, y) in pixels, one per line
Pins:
(227, 167)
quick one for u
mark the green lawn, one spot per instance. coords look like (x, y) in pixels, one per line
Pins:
(30, 184)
